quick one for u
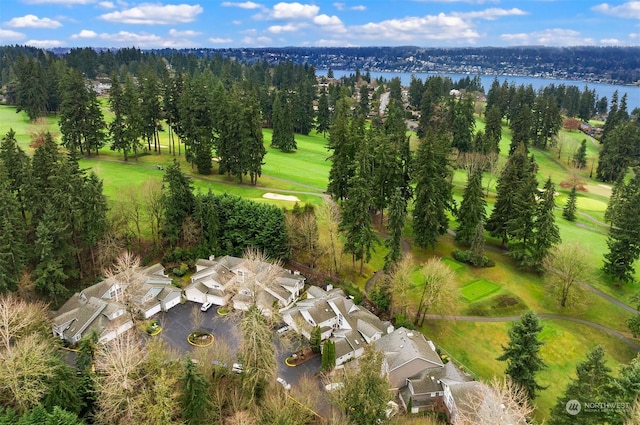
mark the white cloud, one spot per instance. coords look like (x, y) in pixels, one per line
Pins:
(294, 11)
(236, 22)
(10, 35)
(219, 40)
(418, 29)
(549, 37)
(259, 41)
(155, 14)
(32, 21)
(186, 33)
(629, 10)
(243, 5)
(610, 42)
(342, 6)
(44, 43)
(278, 29)
(327, 20)
(107, 5)
(491, 13)
(634, 35)
(85, 34)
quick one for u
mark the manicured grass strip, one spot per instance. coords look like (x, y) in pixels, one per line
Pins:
(452, 264)
(479, 289)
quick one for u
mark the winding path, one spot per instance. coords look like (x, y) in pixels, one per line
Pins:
(481, 319)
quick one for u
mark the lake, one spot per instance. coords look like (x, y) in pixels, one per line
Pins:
(633, 92)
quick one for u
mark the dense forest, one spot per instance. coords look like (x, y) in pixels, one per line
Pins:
(60, 232)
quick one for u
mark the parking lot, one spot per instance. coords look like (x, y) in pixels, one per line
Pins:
(177, 324)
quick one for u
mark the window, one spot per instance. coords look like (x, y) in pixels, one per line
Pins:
(115, 291)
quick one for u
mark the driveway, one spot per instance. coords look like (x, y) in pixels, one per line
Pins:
(176, 325)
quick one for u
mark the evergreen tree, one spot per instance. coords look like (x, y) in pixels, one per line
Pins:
(178, 202)
(580, 157)
(150, 106)
(521, 227)
(547, 233)
(621, 150)
(13, 247)
(343, 156)
(569, 210)
(395, 226)
(17, 167)
(476, 252)
(282, 137)
(328, 355)
(31, 90)
(323, 116)
(194, 400)
(522, 354)
(52, 249)
(624, 235)
(472, 209)
(198, 121)
(433, 191)
(514, 196)
(316, 339)
(493, 128)
(593, 383)
(462, 123)
(520, 128)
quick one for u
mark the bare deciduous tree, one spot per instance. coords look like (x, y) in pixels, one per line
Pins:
(26, 366)
(120, 379)
(19, 319)
(438, 290)
(152, 199)
(565, 266)
(400, 285)
(499, 403)
(197, 318)
(329, 212)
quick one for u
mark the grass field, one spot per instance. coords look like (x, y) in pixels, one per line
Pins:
(502, 290)
(478, 289)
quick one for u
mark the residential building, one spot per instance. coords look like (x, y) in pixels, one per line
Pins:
(107, 307)
(240, 283)
(350, 326)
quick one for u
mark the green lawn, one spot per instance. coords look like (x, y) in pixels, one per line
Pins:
(478, 289)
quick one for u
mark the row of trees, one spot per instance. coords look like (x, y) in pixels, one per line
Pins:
(54, 215)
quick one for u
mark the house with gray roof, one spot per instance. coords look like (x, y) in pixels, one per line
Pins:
(240, 283)
(106, 307)
(348, 325)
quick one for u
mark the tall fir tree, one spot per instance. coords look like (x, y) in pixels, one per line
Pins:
(472, 209)
(546, 232)
(433, 190)
(178, 202)
(323, 116)
(395, 226)
(580, 157)
(624, 235)
(343, 147)
(522, 354)
(493, 128)
(594, 384)
(569, 210)
(282, 137)
(13, 244)
(621, 150)
(17, 167)
(516, 195)
(194, 400)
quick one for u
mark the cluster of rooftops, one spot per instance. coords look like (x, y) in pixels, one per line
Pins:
(412, 364)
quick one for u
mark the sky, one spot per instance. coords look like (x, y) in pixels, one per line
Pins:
(221, 24)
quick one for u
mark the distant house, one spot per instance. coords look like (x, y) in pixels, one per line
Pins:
(103, 307)
(240, 283)
(351, 327)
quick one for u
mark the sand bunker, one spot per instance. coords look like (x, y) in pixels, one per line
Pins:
(279, 197)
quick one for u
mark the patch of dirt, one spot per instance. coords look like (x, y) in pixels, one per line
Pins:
(567, 185)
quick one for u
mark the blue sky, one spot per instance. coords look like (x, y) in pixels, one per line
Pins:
(426, 23)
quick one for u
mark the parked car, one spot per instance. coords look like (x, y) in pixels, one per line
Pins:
(283, 329)
(285, 384)
(206, 306)
(237, 368)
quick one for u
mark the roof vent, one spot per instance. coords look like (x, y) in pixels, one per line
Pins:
(410, 334)
(402, 346)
